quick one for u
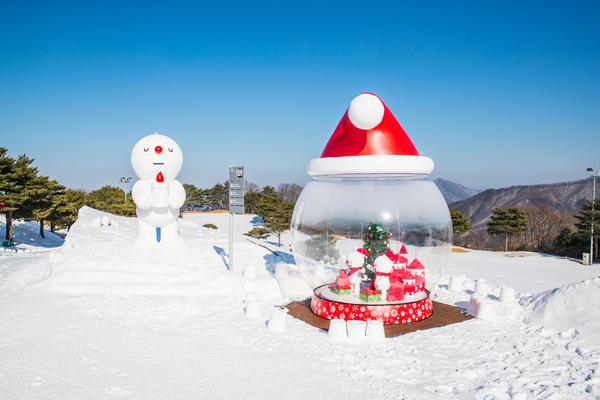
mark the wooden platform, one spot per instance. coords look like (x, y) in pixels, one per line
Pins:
(443, 314)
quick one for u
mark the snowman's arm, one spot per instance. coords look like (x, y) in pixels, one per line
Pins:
(176, 195)
(142, 194)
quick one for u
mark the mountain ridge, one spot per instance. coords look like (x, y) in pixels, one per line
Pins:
(564, 197)
(453, 191)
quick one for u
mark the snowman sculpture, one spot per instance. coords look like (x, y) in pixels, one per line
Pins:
(383, 270)
(156, 160)
(355, 263)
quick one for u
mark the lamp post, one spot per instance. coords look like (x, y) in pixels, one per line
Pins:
(124, 181)
(594, 175)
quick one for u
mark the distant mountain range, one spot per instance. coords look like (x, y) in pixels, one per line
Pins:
(453, 191)
(565, 197)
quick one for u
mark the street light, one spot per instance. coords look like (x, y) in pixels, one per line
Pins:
(594, 175)
(125, 180)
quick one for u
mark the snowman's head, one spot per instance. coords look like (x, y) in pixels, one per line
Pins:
(355, 259)
(156, 155)
(383, 264)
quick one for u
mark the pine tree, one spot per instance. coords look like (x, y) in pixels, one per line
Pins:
(583, 226)
(267, 205)
(258, 233)
(565, 242)
(276, 214)
(268, 189)
(41, 202)
(65, 208)
(376, 241)
(193, 195)
(111, 199)
(218, 196)
(8, 189)
(251, 200)
(15, 188)
(506, 222)
(30, 185)
(279, 221)
(460, 223)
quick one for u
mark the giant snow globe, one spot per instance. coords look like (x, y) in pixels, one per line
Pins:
(371, 234)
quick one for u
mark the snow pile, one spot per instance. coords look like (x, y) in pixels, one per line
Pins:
(103, 259)
(27, 236)
(574, 306)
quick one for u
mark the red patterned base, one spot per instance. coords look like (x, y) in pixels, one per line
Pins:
(389, 313)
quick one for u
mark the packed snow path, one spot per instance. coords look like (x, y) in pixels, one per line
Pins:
(87, 321)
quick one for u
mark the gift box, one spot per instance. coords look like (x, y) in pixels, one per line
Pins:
(342, 291)
(396, 292)
(342, 284)
(370, 295)
(342, 280)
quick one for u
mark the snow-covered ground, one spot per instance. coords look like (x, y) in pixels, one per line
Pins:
(525, 271)
(27, 237)
(101, 317)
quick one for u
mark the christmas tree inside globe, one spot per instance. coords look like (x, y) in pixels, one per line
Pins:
(370, 233)
(376, 241)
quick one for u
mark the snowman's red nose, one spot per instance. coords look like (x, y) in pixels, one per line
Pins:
(158, 149)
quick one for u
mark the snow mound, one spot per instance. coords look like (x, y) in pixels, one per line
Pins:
(574, 306)
(103, 259)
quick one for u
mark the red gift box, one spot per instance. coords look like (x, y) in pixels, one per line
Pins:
(342, 281)
(396, 292)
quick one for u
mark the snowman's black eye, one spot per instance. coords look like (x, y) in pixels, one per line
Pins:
(171, 150)
(146, 149)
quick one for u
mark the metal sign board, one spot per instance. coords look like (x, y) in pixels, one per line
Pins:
(237, 209)
(236, 192)
(236, 201)
(236, 174)
(236, 189)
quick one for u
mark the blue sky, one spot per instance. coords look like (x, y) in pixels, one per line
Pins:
(497, 94)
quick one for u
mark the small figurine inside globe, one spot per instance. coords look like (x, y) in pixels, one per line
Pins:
(370, 232)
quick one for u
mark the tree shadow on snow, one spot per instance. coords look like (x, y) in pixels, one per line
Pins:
(272, 259)
(29, 235)
(223, 254)
(256, 221)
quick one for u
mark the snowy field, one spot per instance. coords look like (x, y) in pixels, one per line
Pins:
(102, 318)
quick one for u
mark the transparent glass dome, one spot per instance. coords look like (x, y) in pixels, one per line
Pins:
(332, 216)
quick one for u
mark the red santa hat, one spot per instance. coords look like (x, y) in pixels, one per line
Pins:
(369, 141)
(393, 257)
(363, 251)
